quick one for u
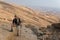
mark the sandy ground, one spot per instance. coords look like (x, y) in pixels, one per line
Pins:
(24, 34)
(5, 33)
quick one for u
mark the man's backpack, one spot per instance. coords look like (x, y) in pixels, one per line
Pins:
(16, 21)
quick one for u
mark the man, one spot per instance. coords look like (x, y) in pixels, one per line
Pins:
(16, 22)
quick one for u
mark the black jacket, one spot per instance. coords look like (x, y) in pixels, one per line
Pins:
(16, 21)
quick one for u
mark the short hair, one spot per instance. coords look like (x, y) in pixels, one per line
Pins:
(15, 16)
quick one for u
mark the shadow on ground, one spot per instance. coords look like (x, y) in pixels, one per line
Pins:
(5, 29)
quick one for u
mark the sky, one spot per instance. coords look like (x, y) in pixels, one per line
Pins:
(37, 3)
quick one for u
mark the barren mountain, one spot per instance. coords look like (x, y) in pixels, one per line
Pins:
(29, 17)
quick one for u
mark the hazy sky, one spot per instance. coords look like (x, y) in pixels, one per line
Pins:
(35, 3)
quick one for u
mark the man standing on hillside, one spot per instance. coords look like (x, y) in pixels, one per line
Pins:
(16, 22)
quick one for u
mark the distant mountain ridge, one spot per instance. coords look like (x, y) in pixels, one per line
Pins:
(55, 11)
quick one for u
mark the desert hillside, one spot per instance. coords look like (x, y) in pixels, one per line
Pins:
(27, 15)
(32, 21)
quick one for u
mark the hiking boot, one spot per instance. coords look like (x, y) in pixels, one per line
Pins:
(17, 34)
(11, 30)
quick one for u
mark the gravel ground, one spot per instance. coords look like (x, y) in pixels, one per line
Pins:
(5, 33)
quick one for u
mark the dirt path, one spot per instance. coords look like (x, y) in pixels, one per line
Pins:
(5, 33)
(25, 34)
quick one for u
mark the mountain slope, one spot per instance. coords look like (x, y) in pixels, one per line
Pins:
(27, 15)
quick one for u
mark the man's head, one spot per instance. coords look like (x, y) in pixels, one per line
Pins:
(15, 16)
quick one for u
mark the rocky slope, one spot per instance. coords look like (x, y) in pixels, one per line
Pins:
(31, 20)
